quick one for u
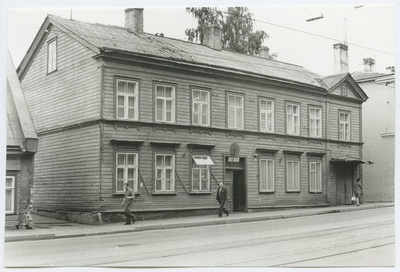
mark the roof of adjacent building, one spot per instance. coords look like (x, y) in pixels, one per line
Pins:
(20, 129)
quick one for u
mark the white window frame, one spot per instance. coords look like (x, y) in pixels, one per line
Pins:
(344, 126)
(267, 180)
(267, 116)
(201, 164)
(163, 99)
(292, 119)
(12, 190)
(52, 55)
(293, 181)
(315, 122)
(316, 177)
(203, 115)
(234, 116)
(126, 97)
(119, 182)
(163, 169)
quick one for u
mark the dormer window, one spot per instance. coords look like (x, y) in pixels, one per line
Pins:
(52, 56)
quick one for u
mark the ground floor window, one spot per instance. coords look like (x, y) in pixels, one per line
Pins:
(201, 173)
(164, 173)
(267, 175)
(315, 177)
(10, 193)
(293, 176)
(126, 171)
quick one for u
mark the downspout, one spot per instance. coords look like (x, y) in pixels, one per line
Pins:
(328, 155)
(101, 127)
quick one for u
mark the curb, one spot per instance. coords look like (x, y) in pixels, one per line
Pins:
(189, 224)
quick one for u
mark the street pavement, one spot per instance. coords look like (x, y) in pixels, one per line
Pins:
(49, 228)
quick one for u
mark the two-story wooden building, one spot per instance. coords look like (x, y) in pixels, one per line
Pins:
(114, 104)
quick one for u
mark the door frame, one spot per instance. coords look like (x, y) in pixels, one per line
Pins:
(245, 187)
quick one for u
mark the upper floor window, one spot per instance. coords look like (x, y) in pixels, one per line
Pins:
(201, 107)
(315, 177)
(344, 126)
(267, 175)
(52, 56)
(164, 173)
(293, 119)
(127, 99)
(266, 115)
(201, 173)
(315, 122)
(126, 171)
(165, 103)
(235, 111)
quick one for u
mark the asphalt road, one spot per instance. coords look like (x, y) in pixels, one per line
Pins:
(363, 238)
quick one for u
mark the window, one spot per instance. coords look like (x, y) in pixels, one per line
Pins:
(293, 119)
(52, 56)
(266, 115)
(201, 108)
(164, 173)
(165, 103)
(10, 187)
(235, 111)
(315, 177)
(344, 126)
(267, 175)
(127, 99)
(201, 173)
(315, 122)
(126, 171)
(293, 176)
(343, 90)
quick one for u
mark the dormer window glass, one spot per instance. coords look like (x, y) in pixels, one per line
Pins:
(52, 56)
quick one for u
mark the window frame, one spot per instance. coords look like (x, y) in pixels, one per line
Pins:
(52, 57)
(208, 103)
(126, 96)
(311, 119)
(290, 159)
(267, 189)
(340, 123)
(261, 111)
(318, 178)
(135, 184)
(235, 108)
(165, 99)
(298, 126)
(207, 168)
(163, 169)
(12, 189)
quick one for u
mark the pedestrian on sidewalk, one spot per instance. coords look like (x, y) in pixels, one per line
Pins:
(222, 196)
(127, 204)
(358, 190)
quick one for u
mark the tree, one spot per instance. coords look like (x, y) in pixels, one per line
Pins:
(236, 27)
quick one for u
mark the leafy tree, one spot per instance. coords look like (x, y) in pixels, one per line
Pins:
(236, 27)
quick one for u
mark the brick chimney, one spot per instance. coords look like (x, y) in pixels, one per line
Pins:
(341, 58)
(369, 65)
(134, 20)
(213, 37)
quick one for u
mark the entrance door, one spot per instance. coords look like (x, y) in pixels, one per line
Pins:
(344, 183)
(228, 186)
(238, 192)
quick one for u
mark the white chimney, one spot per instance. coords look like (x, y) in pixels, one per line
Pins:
(369, 65)
(134, 20)
(212, 37)
(341, 58)
(264, 52)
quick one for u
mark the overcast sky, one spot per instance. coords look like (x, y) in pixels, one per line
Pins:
(369, 29)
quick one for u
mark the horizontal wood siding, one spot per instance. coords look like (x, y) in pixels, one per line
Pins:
(66, 96)
(67, 170)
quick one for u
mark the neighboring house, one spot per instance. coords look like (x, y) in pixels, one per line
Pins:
(379, 132)
(171, 118)
(22, 143)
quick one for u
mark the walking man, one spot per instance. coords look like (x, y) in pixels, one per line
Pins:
(358, 190)
(222, 196)
(127, 203)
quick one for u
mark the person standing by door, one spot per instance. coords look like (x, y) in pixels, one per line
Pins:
(358, 189)
(127, 204)
(222, 196)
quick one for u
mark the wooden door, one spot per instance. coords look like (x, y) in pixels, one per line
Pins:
(344, 184)
(228, 185)
(238, 192)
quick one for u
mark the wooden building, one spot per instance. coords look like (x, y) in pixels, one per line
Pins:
(172, 118)
(22, 143)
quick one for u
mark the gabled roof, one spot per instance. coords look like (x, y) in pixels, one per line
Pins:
(20, 129)
(333, 81)
(99, 37)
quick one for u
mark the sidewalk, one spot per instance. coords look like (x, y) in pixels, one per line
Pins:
(48, 228)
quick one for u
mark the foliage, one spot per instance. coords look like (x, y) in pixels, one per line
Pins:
(236, 27)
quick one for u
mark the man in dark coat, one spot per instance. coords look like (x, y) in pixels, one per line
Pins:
(127, 204)
(222, 196)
